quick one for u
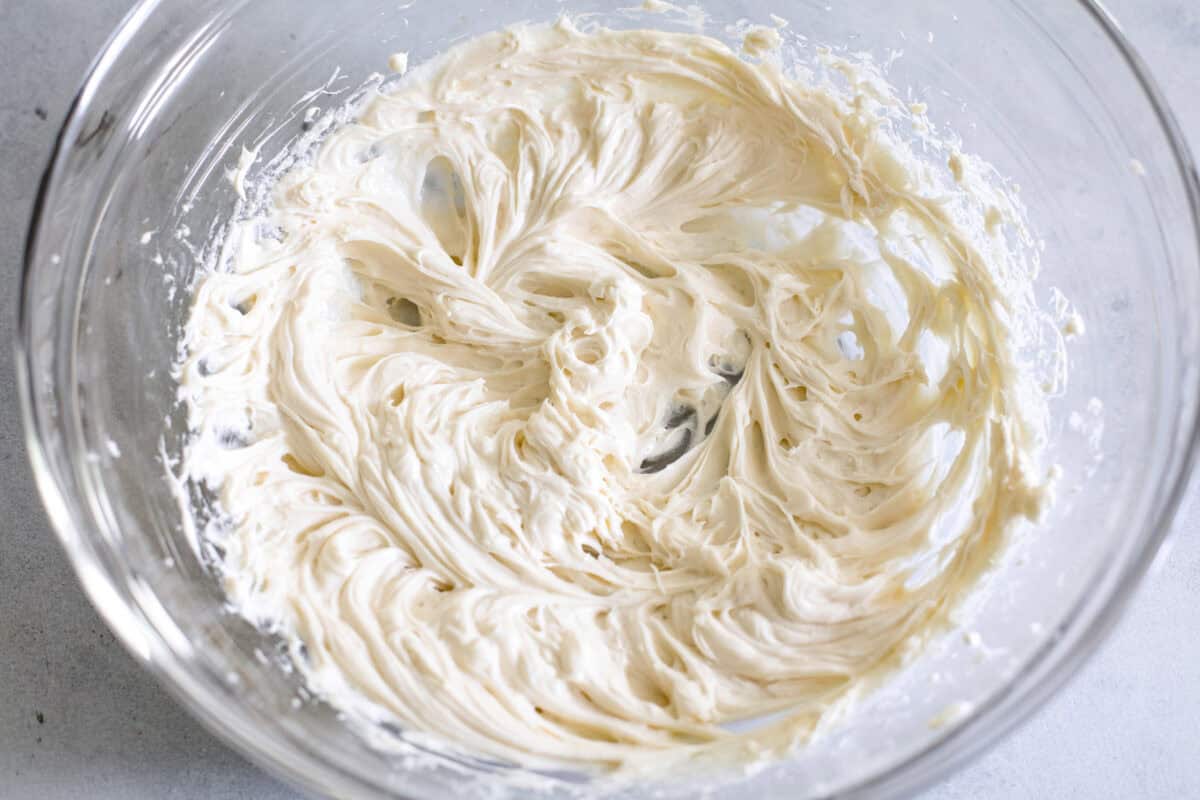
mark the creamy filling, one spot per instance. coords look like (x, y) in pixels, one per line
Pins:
(593, 392)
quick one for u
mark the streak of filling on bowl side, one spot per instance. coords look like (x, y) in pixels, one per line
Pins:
(594, 391)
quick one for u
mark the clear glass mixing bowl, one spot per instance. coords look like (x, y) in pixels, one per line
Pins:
(1049, 93)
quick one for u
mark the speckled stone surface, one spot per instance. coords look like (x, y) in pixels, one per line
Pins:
(79, 718)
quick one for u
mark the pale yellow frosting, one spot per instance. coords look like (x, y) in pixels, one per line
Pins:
(593, 391)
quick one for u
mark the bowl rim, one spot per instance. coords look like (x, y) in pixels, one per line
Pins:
(961, 743)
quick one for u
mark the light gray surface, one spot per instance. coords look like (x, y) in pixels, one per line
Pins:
(79, 718)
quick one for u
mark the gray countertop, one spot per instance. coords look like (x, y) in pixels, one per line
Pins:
(78, 717)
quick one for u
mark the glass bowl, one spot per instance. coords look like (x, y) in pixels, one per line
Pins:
(1050, 94)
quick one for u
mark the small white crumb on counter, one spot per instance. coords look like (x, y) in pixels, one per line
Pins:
(398, 62)
(1137, 166)
(146, 237)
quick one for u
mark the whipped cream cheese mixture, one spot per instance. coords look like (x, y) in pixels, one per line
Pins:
(594, 391)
